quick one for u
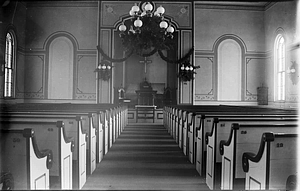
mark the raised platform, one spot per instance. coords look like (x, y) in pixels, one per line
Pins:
(145, 114)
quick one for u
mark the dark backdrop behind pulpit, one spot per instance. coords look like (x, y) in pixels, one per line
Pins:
(130, 73)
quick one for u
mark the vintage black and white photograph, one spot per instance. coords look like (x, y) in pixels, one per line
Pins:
(149, 95)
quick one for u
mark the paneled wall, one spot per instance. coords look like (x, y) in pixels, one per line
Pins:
(230, 42)
(112, 14)
(283, 17)
(252, 29)
(13, 16)
(57, 51)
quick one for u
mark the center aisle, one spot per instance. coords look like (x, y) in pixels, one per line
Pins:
(145, 157)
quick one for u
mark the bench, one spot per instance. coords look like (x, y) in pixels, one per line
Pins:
(73, 128)
(88, 126)
(205, 121)
(20, 155)
(245, 137)
(50, 135)
(96, 109)
(215, 162)
(270, 167)
(95, 134)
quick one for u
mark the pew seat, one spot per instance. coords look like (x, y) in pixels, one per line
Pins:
(21, 156)
(204, 126)
(6, 181)
(245, 137)
(50, 135)
(218, 166)
(71, 130)
(274, 162)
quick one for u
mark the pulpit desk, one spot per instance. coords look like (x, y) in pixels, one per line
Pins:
(145, 112)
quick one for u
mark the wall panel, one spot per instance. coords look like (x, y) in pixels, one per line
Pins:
(204, 78)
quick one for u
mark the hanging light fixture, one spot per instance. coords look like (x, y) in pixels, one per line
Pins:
(104, 70)
(147, 31)
(187, 71)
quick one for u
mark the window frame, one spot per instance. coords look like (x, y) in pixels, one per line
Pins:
(9, 92)
(280, 68)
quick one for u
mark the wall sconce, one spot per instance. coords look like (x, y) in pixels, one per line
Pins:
(187, 71)
(104, 70)
(293, 72)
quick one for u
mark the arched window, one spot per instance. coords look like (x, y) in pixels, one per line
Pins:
(10, 62)
(279, 61)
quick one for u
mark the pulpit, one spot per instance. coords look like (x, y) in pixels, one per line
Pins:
(145, 109)
(146, 95)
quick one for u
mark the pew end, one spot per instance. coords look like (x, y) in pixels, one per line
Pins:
(273, 164)
(245, 137)
(21, 156)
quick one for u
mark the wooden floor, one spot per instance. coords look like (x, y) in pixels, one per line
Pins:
(145, 157)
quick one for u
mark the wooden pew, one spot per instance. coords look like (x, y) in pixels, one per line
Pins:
(176, 125)
(110, 128)
(21, 157)
(202, 124)
(95, 151)
(205, 121)
(88, 127)
(6, 180)
(221, 130)
(96, 109)
(113, 117)
(273, 163)
(245, 137)
(73, 128)
(50, 135)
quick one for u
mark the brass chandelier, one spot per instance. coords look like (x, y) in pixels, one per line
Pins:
(147, 31)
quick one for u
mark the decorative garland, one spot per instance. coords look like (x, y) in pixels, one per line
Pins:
(106, 57)
(187, 56)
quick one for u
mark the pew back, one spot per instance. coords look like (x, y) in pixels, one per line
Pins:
(221, 130)
(21, 156)
(72, 128)
(50, 135)
(246, 137)
(271, 165)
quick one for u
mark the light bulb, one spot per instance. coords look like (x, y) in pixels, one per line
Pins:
(135, 8)
(170, 29)
(163, 24)
(160, 10)
(148, 7)
(103, 67)
(191, 68)
(187, 68)
(293, 70)
(131, 13)
(182, 67)
(109, 67)
(122, 27)
(138, 23)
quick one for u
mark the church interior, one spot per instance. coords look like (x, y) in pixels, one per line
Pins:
(141, 68)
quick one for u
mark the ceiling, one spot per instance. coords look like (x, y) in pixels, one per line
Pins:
(237, 3)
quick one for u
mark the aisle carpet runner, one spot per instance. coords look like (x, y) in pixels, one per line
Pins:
(145, 157)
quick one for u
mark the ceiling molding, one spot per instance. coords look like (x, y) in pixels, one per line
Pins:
(91, 3)
(234, 5)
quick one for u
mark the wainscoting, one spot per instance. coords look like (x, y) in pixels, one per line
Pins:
(146, 116)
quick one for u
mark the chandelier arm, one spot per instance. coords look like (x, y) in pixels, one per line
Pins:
(176, 61)
(114, 59)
